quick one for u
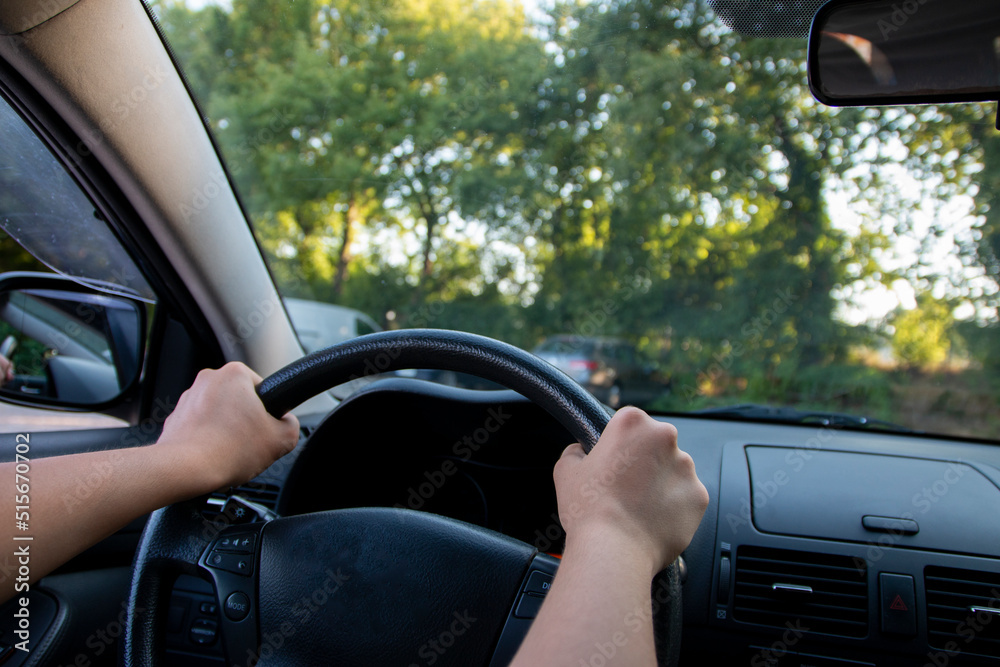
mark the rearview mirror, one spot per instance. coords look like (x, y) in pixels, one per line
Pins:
(888, 52)
(69, 346)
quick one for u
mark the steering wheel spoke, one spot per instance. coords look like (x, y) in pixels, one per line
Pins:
(232, 561)
(172, 544)
(381, 586)
(532, 592)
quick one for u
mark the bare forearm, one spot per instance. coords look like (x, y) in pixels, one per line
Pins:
(219, 435)
(75, 501)
(597, 612)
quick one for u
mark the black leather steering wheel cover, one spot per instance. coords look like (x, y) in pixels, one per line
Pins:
(171, 544)
(582, 414)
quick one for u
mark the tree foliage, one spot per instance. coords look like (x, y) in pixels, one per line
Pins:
(921, 337)
(510, 173)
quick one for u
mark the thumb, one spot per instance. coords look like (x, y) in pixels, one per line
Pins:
(573, 452)
(571, 457)
(290, 427)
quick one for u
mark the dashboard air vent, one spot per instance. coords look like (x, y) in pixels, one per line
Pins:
(963, 606)
(813, 592)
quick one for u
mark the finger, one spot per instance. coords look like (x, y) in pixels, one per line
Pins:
(570, 458)
(573, 452)
(293, 426)
(243, 369)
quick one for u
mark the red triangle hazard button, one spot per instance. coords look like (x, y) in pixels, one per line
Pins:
(898, 604)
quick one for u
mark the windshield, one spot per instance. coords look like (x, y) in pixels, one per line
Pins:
(564, 174)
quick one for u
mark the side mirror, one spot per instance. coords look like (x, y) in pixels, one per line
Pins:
(890, 52)
(70, 346)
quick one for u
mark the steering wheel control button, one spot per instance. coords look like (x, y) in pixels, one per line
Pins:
(237, 606)
(529, 605)
(538, 582)
(899, 609)
(238, 510)
(203, 631)
(235, 563)
(239, 544)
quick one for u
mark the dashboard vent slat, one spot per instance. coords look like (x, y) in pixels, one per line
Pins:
(837, 605)
(951, 596)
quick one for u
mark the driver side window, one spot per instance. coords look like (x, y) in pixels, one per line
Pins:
(61, 349)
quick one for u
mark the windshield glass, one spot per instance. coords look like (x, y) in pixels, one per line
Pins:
(647, 199)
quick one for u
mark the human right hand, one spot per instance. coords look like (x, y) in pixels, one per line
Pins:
(636, 490)
(221, 430)
(6, 370)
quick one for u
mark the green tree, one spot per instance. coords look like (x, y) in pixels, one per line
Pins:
(540, 167)
(922, 334)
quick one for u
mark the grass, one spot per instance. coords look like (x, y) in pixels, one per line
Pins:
(955, 400)
(957, 403)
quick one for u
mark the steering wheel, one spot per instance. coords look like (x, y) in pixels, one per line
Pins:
(370, 586)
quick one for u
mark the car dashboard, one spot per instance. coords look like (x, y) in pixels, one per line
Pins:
(821, 545)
